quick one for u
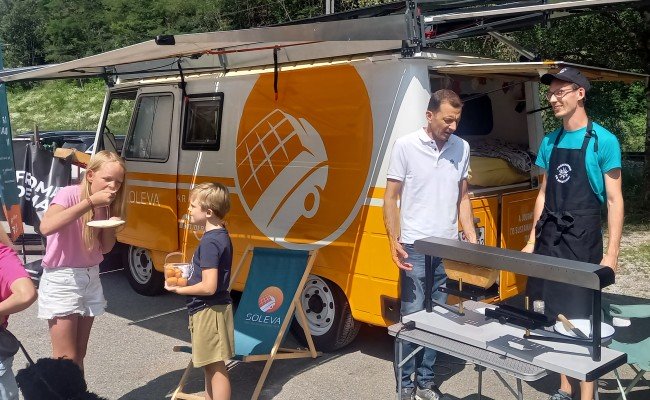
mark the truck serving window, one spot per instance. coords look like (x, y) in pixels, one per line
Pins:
(151, 131)
(203, 122)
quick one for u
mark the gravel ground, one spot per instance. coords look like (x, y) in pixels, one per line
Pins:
(633, 275)
(131, 359)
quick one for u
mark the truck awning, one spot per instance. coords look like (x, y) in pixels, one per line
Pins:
(237, 49)
(534, 70)
(374, 29)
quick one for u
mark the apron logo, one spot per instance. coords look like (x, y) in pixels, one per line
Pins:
(563, 173)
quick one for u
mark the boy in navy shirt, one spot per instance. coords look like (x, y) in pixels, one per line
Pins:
(208, 301)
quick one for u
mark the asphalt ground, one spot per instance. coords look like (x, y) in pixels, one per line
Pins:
(130, 358)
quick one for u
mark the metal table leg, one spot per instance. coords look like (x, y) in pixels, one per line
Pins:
(519, 394)
(402, 362)
(480, 370)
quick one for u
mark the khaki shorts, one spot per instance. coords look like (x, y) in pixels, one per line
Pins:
(213, 335)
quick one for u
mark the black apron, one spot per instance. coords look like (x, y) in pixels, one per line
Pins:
(570, 227)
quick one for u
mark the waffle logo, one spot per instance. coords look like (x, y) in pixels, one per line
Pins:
(303, 161)
(270, 299)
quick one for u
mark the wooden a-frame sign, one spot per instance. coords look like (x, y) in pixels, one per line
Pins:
(294, 306)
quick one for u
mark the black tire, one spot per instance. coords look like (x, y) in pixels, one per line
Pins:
(140, 272)
(329, 316)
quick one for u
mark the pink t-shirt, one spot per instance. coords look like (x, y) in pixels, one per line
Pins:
(66, 247)
(10, 269)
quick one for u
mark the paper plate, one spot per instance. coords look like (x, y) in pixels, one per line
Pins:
(106, 223)
(584, 325)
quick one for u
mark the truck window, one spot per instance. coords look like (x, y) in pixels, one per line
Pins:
(120, 111)
(202, 128)
(118, 118)
(151, 131)
(476, 119)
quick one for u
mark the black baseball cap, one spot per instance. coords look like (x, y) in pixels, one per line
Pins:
(567, 74)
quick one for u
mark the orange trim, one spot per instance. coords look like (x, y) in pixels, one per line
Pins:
(145, 176)
(376, 192)
(199, 179)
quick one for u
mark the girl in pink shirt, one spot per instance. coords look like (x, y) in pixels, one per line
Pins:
(17, 292)
(70, 292)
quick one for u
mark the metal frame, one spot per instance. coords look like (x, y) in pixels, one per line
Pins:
(432, 21)
(582, 274)
(482, 358)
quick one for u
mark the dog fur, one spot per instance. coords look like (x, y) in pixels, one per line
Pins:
(62, 375)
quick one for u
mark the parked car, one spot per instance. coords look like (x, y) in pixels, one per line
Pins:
(80, 140)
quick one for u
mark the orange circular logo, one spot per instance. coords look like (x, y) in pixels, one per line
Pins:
(303, 160)
(270, 299)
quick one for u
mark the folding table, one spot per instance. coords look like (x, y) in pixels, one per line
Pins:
(500, 347)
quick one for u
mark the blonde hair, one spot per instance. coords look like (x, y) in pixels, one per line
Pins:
(117, 208)
(212, 196)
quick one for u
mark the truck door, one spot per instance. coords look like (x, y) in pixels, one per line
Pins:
(151, 154)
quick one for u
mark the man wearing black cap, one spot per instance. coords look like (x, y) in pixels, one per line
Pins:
(582, 164)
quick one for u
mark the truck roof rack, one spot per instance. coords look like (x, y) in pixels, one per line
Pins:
(412, 26)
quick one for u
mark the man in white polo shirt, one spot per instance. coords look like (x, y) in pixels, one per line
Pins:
(428, 174)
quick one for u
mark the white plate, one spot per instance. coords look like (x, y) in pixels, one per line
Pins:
(106, 223)
(584, 325)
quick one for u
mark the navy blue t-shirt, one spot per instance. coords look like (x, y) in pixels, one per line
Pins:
(214, 251)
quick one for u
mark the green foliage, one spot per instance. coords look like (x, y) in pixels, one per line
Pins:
(609, 39)
(75, 29)
(637, 211)
(54, 105)
(22, 30)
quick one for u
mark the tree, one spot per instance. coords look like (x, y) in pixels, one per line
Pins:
(22, 31)
(75, 29)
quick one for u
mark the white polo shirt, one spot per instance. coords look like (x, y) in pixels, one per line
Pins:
(430, 184)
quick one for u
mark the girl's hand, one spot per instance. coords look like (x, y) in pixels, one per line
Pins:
(103, 197)
(173, 289)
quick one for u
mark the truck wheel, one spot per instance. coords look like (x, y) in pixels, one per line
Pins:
(140, 272)
(328, 314)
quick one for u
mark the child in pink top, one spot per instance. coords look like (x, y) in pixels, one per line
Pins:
(17, 292)
(70, 292)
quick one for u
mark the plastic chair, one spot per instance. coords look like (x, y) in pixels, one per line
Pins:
(638, 353)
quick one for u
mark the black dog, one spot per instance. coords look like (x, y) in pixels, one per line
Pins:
(54, 379)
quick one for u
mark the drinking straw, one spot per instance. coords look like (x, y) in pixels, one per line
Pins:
(187, 222)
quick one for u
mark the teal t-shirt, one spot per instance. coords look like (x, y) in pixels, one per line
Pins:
(598, 163)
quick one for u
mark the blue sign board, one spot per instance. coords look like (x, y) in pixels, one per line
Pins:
(8, 187)
(272, 282)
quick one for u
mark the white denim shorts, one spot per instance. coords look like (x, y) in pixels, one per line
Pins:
(65, 291)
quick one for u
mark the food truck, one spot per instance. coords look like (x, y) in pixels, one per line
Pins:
(298, 121)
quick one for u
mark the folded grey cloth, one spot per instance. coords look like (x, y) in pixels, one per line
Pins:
(515, 155)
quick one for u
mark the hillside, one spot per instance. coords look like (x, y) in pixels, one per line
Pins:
(56, 105)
